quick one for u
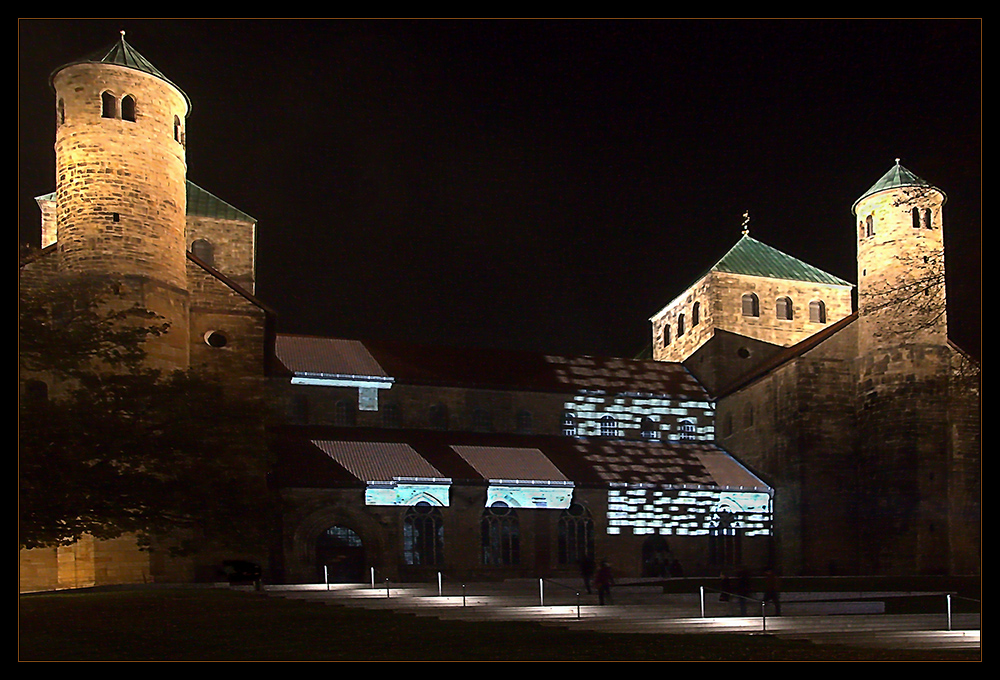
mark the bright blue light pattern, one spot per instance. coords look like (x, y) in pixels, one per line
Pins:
(672, 511)
(405, 493)
(528, 496)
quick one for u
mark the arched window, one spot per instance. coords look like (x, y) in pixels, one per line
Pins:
(525, 422)
(576, 534)
(128, 108)
(817, 311)
(501, 538)
(439, 417)
(423, 535)
(609, 427)
(695, 314)
(869, 226)
(568, 424)
(927, 218)
(687, 429)
(648, 428)
(109, 105)
(344, 413)
(204, 251)
(177, 129)
(680, 325)
(751, 305)
(61, 111)
(783, 308)
(666, 334)
(915, 214)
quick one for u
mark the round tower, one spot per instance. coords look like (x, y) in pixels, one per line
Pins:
(900, 232)
(903, 370)
(120, 184)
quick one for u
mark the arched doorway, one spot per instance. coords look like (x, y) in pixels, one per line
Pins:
(656, 557)
(340, 551)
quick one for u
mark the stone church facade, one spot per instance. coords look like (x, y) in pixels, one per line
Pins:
(748, 438)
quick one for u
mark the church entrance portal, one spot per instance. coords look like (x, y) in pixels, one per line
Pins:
(339, 550)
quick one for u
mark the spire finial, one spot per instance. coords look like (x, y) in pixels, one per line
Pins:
(746, 222)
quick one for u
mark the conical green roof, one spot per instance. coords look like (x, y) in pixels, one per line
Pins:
(753, 258)
(897, 177)
(123, 54)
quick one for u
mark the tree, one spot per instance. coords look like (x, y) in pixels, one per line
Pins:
(179, 458)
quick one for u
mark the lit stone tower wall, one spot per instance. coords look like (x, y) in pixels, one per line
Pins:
(120, 185)
(903, 368)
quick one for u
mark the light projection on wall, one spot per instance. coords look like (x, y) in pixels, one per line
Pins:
(677, 511)
(529, 495)
(393, 473)
(519, 477)
(652, 417)
(408, 492)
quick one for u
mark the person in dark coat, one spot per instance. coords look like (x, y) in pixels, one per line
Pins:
(603, 581)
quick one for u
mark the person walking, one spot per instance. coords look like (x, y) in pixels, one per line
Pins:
(603, 581)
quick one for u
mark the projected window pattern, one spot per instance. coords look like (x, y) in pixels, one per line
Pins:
(671, 511)
(592, 415)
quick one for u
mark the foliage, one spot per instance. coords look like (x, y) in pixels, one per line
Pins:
(115, 448)
(67, 326)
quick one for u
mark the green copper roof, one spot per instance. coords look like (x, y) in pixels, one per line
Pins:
(204, 204)
(897, 177)
(753, 258)
(123, 54)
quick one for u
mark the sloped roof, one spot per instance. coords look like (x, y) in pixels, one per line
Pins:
(788, 354)
(897, 177)
(379, 461)
(486, 368)
(204, 204)
(508, 462)
(323, 356)
(753, 258)
(121, 53)
(477, 458)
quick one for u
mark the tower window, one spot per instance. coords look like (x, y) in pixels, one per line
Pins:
(666, 334)
(109, 105)
(204, 251)
(915, 214)
(680, 325)
(869, 226)
(817, 311)
(695, 314)
(751, 305)
(61, 111)
(128, 108)
(927, 218)
(783, 309)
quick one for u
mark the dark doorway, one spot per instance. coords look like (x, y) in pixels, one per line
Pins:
(341, 552)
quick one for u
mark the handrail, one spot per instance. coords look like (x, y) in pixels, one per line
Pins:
(541, 593)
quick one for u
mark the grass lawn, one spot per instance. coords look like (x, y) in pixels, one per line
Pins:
(217, 624)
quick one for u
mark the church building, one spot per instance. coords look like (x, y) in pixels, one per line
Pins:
(773, 425)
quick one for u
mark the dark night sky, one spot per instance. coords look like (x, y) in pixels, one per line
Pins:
(542, 185)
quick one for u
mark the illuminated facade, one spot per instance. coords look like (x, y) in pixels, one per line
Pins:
(867, 423)
(491, 464)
